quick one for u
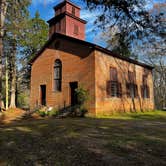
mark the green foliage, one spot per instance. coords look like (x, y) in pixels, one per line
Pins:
(122, 47)
(83, 112)
(42, 113)
(53, 112)
(15, 24)
(36, 35)
(82, 98)
(130, 22)
(82, 95)
(23, 100)
(45, 112)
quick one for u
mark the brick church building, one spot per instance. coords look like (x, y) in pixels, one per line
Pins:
(66, 61)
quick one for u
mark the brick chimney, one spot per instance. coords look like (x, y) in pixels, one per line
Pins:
(67, 21)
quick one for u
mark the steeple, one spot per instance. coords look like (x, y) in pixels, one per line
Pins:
(67, 21)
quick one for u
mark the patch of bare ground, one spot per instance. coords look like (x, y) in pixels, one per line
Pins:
(11, 115)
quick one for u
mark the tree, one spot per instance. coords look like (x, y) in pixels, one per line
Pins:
(132, 19)
(153, 51)
(3, 10)
(36, 35)
(135, 29)
(15, 24)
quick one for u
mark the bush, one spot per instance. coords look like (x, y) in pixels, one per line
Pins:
(41, 113)
(23, 100)
(78, 111)
(53, 112)
(83, 111)
(44, 111)
(82, 95)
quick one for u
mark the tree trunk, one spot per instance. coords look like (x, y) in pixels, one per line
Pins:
(13, 77)
(7, 84)
(3, 9)
(1, 52)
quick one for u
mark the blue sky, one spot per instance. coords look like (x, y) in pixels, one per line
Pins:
(46, 11)
(45, 8)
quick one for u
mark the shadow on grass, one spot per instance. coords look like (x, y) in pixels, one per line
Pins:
(45, 144)
(87, 141)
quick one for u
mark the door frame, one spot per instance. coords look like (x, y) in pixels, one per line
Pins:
(73, 98)
(41, 93)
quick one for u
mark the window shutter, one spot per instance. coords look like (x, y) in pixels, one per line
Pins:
(128, 90)
(76, 29)
(108, 88)
(142, 91)
(144, 79)
(113, 74)
(148, 92)
(131, 77)
(119, 90)
(136, 90)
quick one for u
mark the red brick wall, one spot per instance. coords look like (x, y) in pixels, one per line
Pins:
(92, 72)
(70, 22)
(61, 10)
(69, 9)
(74, 68)
(107, 105)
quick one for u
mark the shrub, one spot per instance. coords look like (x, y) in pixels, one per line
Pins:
(41, 113)
(53, 112)
(45, 111)
(23, 100)
(83, 111)
(82, 95)
(78, 111)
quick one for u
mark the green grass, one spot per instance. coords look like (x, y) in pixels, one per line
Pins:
(129, 139)
(157, 114)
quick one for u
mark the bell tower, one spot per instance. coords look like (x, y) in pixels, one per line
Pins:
(67, 21)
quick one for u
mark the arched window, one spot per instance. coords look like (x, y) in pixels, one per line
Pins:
(57, 75)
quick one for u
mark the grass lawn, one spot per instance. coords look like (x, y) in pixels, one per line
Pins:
(130, 139)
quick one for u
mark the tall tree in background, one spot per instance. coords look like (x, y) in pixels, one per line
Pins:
(136, 28)
(36, 35)
(15, 24)
(130, 21)
(153, 51)
(3, 10)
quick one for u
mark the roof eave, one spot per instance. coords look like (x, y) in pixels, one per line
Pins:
(90, 45)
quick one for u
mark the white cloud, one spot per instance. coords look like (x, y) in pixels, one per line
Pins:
(88, 15)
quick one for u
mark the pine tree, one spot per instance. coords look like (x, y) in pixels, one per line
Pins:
(3, 11)
(36, 35)
(15, 24)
